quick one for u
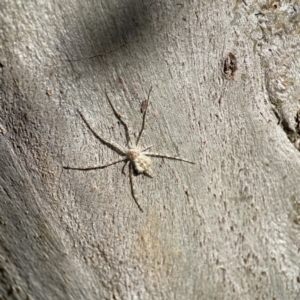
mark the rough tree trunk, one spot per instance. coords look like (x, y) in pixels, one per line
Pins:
(225, 78)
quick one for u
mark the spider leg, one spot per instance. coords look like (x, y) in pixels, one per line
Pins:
(127, 127)
(144, 118)
(95, 167)
(123, 169)
(147, 148)
(168, 157)
(132, 186)
(113, 145)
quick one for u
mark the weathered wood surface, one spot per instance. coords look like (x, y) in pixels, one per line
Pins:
(225, 228)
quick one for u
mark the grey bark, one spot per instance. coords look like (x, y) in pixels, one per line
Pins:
(225, 79)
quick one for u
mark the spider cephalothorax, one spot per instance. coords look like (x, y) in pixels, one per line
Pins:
(138, 159)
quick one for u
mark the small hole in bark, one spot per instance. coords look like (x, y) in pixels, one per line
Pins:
(229, 65)
(297, 119)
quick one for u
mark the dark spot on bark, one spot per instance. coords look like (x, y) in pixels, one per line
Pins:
(229, 65)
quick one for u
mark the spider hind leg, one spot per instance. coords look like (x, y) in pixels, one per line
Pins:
(168, 157)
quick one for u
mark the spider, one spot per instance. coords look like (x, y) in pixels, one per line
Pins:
(139, 161)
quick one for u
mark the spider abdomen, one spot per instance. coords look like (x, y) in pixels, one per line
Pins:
(141, 162)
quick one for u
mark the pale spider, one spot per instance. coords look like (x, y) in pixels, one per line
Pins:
(138, 159)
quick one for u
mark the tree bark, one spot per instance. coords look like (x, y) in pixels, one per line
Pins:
(225, 79)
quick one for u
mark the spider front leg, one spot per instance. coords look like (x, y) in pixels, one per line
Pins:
(95, 167)
(113, 145)
(131, 176)
(144, 118)
(127, 127)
